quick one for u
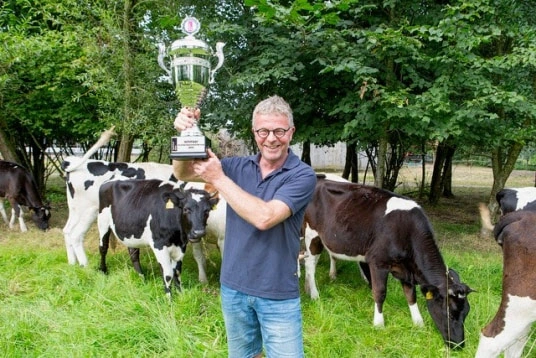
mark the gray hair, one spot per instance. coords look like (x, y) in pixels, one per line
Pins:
(273, 104)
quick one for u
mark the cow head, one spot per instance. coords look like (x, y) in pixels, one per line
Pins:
(195, 207)
(40, 216)
(449, 307)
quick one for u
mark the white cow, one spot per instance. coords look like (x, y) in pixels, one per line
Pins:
(85, 176)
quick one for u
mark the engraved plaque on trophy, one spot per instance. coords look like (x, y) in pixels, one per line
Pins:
(191, 74)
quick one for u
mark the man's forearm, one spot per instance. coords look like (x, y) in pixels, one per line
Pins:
(259, 213)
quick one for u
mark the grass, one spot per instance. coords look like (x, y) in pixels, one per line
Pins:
(51, 309)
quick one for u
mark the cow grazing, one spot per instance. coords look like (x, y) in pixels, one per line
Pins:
(392, 235)
(509, 330)
(153, 213)
(509, 200)
(18, 186)
(84, 177)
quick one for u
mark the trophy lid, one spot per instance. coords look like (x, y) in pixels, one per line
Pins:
(189, 42)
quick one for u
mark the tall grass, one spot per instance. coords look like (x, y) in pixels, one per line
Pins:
(51, 309)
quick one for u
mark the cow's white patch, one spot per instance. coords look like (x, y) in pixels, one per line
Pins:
(400, 204)
(519, 315)
(358, 258)
(197, 197)
(146, 238)
(525, 196)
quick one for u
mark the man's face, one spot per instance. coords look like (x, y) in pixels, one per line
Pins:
(274, 149)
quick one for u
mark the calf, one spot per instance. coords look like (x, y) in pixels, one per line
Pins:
(509, 200)
(18, 186)
(392, 235)
(510, 328)
(153, 213)
(84, 177)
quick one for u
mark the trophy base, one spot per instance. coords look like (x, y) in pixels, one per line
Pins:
(188, 156)
(189, 147)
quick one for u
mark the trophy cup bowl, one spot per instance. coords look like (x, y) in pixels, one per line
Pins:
(191, 74)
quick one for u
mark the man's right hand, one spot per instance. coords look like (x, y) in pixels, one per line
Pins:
(186, 118)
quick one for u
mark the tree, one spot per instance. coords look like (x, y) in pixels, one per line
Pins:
(484, 81)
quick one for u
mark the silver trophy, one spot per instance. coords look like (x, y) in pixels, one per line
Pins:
(191, 73)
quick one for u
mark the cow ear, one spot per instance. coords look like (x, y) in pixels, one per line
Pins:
(213, 202)
(172, 200)
(430, 292)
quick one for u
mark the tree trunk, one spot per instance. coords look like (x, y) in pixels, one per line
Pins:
(446, 181)
(380, 164)
(306, 152)
(436, 183)
(502, 163)
(351, 169)
(127, 140)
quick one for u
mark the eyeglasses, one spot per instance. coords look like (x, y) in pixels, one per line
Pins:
(278, 132)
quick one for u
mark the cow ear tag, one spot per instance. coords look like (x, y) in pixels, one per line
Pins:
(169, 204)
(429, 295)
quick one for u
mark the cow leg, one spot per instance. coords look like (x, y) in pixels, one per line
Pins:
(515, 349)
(332, 268)
(177, 275)
(312, 241)
(16, 212)
(3, 212)
(411, 297)
(379, 291)
(74, 232)
(512, 343)
(134, 254)
(103, 249)
(163, 257)
(199, 256)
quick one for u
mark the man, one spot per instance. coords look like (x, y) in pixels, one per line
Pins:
(266, 195)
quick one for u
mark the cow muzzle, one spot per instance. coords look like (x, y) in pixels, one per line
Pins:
(196, 235)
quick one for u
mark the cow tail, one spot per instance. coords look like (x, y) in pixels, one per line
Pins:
(485, 219)
(103, 140)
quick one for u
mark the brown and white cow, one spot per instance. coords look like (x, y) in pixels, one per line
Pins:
(153, 213)
(392, 234)
(18, 186)
(509, 330)
(84, 177)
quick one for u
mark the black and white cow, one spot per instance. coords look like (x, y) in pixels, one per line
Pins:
(161, 215)
(18, 186)
(84, 177)
(393, 235)
(509, 330)
(509, 200)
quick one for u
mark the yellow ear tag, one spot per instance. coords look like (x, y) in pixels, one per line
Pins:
(429, 295)
(169, 204)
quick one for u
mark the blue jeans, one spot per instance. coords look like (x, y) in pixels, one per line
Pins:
(252, 322)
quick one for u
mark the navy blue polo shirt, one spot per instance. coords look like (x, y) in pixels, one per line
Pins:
(263, 263)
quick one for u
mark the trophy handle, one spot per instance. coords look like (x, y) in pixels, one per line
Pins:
(161, 55)
(219, 55)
